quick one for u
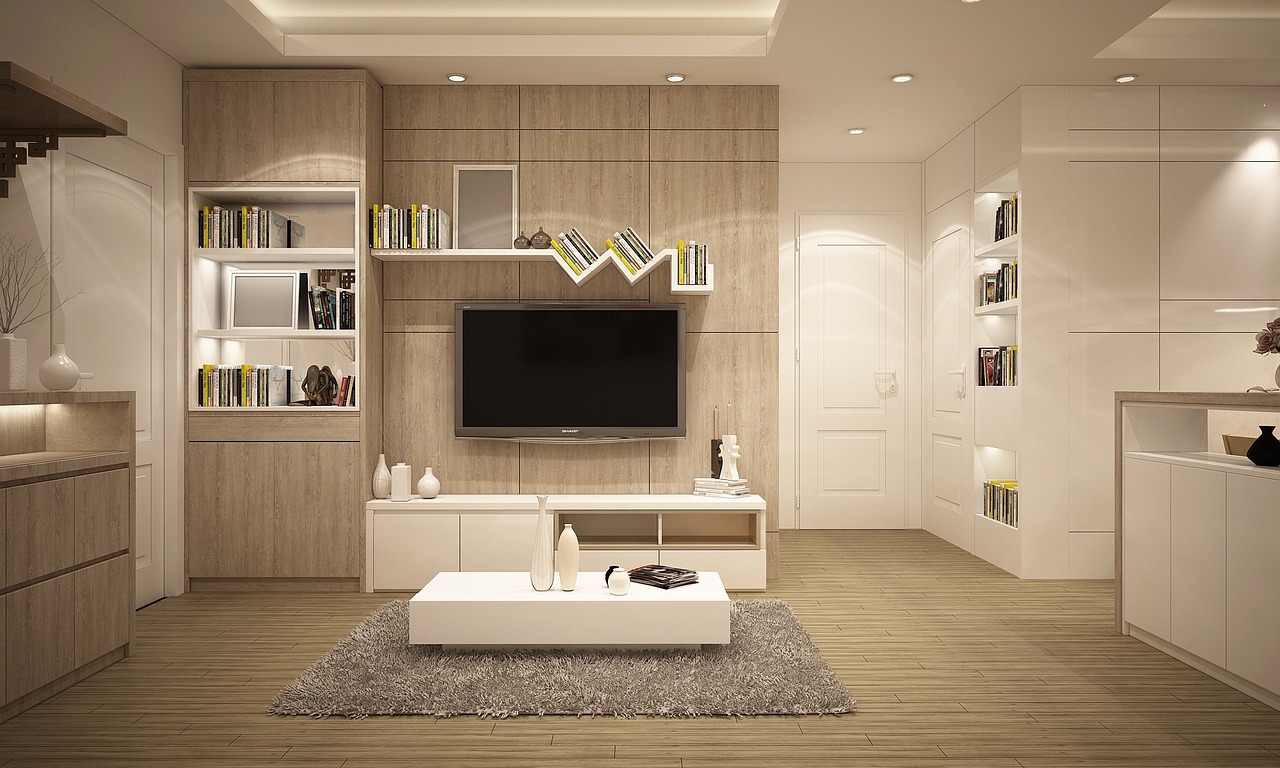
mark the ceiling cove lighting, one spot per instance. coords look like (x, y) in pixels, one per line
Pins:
(970, 2)
(675, 77)
(857, 131)
(903, 77)
(1126, 78)
(456, 77)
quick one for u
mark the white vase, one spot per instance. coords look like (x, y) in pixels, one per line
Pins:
(381, 478)
(59, 373)
(1278, 375)
(567, 558)
(13, 363)
(542, 570)
(619, 582)
(428, 485)
(401, 482)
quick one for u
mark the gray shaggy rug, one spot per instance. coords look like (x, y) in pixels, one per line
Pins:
(770, 667)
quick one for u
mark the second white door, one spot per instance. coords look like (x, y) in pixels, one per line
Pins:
(852, 323)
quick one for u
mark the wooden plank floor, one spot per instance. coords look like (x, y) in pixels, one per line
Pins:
(954, 663)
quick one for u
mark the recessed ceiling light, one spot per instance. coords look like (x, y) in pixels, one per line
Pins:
(1126, 78)
(902, 78)
(457, 77)
(970, 1)
(675, 77)
(857, 131)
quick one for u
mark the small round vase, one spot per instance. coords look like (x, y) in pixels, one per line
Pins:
(540, 239)
(521, 242)
(618, 579)
(1265, 451)
(59, 373)
(428, 485)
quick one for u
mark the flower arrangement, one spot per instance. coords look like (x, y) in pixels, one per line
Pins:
(1269, 339)
(24, 284)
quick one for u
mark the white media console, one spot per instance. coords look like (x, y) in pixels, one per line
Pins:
(409, 542)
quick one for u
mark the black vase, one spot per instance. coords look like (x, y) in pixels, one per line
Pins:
(1265, 451)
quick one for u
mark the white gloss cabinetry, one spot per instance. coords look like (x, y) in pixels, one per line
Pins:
(410, 542)
(1198, 569)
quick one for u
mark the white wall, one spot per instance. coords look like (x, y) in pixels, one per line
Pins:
(844, 187)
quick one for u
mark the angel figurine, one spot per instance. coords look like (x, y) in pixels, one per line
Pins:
(730, 452)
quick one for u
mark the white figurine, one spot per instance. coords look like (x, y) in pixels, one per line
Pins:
(730, 452)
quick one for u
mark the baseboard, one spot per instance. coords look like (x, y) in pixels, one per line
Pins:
(29, 700)
(1209, 668)
(266, 584)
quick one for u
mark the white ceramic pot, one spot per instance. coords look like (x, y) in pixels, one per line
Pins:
(59, 373)
(381, 478)
(567, 558)
(13, 363)
(428, 485)
(401, 482)
(542, 568)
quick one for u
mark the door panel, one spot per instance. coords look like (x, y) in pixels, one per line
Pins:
(852, 426)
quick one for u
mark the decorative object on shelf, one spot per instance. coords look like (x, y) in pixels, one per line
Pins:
(540, 240)
(24, 290)
(1269, 343)
(1265, 451)
(542, 570)
(618, 579)
(401, 479)
(730, 452)
(485, 200)
(59, 373)
(716, 461)
(320, 385)
(13, 363)
(521, 242)
(381, 478)
(567, 558)
(428, 485)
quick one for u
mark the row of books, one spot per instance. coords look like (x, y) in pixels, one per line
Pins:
(247, 226)
(663, 576)
(691, 263)
(418, 226)
(997, 366)
(245, 386)
(332, 309)
(631, 249)
(725, 489)
(574, 249)
(1007, 218)
(1000, 501)
(1001, 285)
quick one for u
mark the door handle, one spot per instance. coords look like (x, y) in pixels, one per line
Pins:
(892, 387)
(961, 372)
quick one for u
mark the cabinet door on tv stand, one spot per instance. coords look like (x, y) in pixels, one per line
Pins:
(497, 542)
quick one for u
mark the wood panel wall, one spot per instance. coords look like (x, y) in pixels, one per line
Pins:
(674, 162)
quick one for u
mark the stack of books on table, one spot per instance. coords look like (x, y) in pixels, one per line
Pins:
(714, 486)
(663, 576)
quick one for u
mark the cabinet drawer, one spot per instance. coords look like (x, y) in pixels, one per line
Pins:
(39, 627)
(738, 569)
(39, 535)
(497, 542)
(102, 514)
(103, 597)
(409, 550)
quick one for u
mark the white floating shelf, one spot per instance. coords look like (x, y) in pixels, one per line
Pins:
(1008, 247)
(693, 290)
(463, 254)
(274, 333)
(1010, 307)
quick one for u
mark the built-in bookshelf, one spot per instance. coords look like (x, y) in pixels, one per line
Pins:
(274, 272)
(996, 338)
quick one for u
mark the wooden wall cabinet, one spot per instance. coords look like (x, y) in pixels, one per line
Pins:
(66, 527)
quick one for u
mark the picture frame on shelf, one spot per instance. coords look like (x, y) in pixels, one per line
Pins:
(485, 211)
(266, 299)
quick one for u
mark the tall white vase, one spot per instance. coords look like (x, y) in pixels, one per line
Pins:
(59, 372)
(381, 478)
(401, 482)
(13, 363)
(542, 570)
(567, 558)
(429, 485)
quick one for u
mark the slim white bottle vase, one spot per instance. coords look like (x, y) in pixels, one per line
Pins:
(567, 558)
(542, 570)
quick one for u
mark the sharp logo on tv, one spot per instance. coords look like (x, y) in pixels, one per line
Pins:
(568, 431)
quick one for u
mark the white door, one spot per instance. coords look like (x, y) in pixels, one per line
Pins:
(852, 420)
(948, 452)
(109, 231)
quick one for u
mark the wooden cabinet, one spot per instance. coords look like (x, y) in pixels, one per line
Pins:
(66, 527)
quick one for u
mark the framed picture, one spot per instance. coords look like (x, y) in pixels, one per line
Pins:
(484, 206)
(262, 299)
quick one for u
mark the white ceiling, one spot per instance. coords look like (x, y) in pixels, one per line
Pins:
(831, 59)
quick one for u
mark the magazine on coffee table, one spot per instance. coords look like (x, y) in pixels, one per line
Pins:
(663, 576)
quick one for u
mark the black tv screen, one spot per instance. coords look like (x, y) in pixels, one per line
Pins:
(569, 371)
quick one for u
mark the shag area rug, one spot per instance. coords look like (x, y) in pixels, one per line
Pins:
(770, 667)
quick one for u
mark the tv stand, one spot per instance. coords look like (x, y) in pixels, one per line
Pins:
(409, 542)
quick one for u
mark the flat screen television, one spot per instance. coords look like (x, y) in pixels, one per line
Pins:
(553, 371)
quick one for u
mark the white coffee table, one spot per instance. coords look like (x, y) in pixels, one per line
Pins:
(475, 609)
